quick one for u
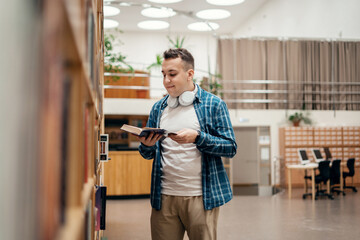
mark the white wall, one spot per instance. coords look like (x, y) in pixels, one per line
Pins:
(304, 19)
(141, 48)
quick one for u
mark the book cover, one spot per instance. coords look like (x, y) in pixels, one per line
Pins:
(144, 132)
(100, 205)
(86, 147)
(64, 145)
(98, 208)
(103, 207)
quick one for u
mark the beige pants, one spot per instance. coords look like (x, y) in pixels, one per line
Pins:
(178, 214)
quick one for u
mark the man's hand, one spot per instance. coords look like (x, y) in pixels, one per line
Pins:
(185, 135)
(151, 139)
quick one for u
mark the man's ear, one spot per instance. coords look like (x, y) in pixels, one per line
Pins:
(190, 73)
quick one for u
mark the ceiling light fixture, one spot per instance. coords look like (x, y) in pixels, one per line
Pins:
(203, 27)
(153, 25)
(111, 11)
(109, 23)
(108, 1)
(165, 1)
(158, 12)
(125, 4)
(225, 2)
(211, 14)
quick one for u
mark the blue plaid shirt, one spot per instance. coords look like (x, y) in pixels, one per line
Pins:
(216, 140)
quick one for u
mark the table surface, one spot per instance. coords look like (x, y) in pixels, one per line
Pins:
(303, 166)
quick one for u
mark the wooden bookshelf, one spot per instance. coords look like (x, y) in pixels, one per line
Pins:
(343, 142)
(71, 118)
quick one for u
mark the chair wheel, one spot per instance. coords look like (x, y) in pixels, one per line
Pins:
(344, 193)
(331, 197)
(355, 190)
(304, 196)
(316, 198)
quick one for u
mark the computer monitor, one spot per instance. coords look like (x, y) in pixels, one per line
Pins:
(327, 153)
(317, 155)
(303, 156)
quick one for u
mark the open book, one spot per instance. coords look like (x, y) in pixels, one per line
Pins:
(144, 132)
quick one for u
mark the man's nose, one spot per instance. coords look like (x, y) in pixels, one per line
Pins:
(167, 79)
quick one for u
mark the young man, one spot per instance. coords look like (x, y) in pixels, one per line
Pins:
(189, 182)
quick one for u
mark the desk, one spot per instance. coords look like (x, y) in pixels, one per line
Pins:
(312, 167)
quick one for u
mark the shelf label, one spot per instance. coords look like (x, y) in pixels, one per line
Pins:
(104, 147)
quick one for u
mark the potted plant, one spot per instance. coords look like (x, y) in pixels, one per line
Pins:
(178, 42)
(297, 117)
(157, 64)
(114, 62)
(211, 84)
(174, 43)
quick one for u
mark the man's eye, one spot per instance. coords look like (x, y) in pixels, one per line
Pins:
(172, 75)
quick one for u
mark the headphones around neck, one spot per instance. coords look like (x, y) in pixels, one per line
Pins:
(185, 99)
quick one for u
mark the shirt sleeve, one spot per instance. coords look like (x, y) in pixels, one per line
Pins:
(220, 141)
(146, 151)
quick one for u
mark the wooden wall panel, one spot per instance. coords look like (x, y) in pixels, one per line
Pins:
(127, 173)
(343, 143)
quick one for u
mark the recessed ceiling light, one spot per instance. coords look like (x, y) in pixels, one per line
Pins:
(225, 2)
(165, 1)
(125, 4)
(158, 12)
(111, 11)
(203, 27)
(213, 14)
(109, 23)
(153, 25)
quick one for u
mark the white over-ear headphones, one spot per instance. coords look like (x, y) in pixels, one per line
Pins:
(185, 99)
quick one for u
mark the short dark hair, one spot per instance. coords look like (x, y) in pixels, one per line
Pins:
(182, 53)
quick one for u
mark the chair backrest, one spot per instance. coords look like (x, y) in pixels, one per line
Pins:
(303, 156)
(327, 153)
(324, 168)
(317, 155)
(335, 172)
(351, 166)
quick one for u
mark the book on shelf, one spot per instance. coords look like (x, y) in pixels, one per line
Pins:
(87, 134)
(144, 132)
(100, 205)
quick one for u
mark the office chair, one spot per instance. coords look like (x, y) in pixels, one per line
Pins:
(323, 177)
(327, 153)
(351, 167)
(335, 177)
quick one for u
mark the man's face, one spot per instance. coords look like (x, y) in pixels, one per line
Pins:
(176, 80)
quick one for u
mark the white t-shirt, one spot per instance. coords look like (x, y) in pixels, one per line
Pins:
(181, 163)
